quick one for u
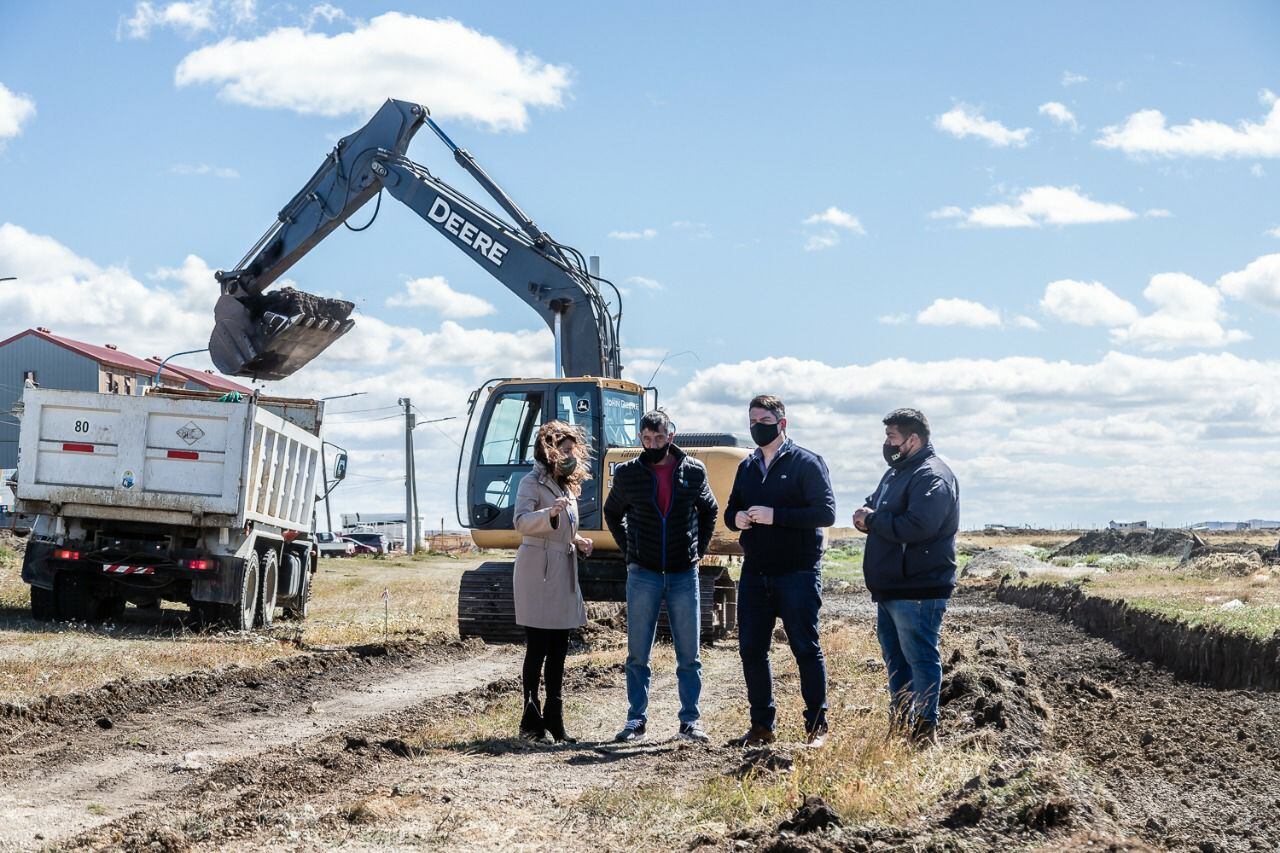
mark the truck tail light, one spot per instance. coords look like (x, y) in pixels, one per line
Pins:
(77, 447)
(64, 554)
(198, 565)
(184, 454)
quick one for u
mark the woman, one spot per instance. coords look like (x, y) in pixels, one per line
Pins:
(548, 599)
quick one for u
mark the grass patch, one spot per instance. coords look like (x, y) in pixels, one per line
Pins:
(43, 658)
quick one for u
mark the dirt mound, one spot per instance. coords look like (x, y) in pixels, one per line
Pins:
(1134, 543)
(1227, 563)
(989, 691)
(12, 541)
(998, 561)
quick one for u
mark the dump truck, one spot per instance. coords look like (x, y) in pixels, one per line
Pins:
(175, 495)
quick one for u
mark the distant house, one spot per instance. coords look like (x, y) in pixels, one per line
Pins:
(42, 358)
(1127, 525)
(1262, 524)
(1220, 525)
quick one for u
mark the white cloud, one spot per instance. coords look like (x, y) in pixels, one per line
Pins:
(435, 293)
(1039, 206)
(1147, 133)
(1257, 171)
(1258, 283)
(203, 169)
(1022, 321)
(1188, 314)
(831, 218)
(1060, 115)
(1157, 213)
(1071, 79)
(1031, 439)
(458, 72)
(958, 312)
(818, 242)
(1273, 232)
(643, 234)
(15, 110)
(893, 319)
(1087, 304)
(645, 283)
(188, 18)
(963, 120)
(837, 218)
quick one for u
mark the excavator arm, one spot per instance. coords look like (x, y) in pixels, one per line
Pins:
(270, 335)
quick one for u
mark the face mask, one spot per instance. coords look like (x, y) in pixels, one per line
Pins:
(654, 455)
(763, 434)
(567, 466)
(893, 453)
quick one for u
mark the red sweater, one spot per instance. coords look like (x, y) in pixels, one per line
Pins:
(665, 474)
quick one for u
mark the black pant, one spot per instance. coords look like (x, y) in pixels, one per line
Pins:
(552, 646)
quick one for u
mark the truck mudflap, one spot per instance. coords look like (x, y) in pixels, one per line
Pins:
(36, 570)
(221, 586)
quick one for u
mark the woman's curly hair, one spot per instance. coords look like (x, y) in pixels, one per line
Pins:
(547, 451)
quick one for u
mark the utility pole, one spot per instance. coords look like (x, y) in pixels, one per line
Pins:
(408, 475)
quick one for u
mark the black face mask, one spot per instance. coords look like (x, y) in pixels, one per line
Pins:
(654, 455)
(893, 454)
(763, 434)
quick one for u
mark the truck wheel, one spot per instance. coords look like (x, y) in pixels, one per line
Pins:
(302, 604)
(240, 614)
(268, 589)
(44, 606)
(75, 600)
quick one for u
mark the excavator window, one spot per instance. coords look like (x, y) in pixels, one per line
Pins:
(512, 427)
(621, 418)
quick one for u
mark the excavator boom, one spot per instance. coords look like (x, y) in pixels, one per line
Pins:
(271, 334)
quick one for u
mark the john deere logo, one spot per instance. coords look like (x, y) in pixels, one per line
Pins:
(190, 433)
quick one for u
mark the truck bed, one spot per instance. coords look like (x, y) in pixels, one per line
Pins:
(169, 459)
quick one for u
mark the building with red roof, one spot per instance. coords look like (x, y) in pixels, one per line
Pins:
(54, 361)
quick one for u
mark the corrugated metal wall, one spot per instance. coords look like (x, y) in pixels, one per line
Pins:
(55, 367)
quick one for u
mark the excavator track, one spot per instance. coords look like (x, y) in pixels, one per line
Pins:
(486, 599)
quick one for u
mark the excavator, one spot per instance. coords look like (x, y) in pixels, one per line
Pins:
(271, 334)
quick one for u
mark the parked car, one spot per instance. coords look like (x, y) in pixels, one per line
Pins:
(333, 545)
(369, 543)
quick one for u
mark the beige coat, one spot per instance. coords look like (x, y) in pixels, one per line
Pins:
(546, 575)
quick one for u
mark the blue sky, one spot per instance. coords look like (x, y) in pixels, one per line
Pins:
(971, 211)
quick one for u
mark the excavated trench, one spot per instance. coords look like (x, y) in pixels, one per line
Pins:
(1204, 655)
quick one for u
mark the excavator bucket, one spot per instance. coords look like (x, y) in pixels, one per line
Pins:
(271, 335)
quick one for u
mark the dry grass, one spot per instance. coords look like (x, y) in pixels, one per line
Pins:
(38, 659)
(862, 772)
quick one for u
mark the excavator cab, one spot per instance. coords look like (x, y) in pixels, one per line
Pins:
(499, 449)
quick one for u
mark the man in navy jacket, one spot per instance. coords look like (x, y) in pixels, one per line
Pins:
(910, 566)
(781, 499)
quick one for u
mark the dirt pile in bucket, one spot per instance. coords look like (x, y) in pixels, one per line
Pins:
(1134, 543)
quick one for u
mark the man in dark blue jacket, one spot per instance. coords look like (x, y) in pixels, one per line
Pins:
(781, 499)
(910, 566)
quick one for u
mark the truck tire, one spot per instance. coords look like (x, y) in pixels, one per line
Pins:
(268, 589)
(44, 607)
(302, 604)
(240, 614)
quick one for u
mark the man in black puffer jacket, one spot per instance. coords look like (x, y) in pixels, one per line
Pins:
(660, 508)
(910, 566)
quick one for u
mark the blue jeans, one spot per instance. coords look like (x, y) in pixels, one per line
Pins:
(646, 591)
(795, 598)
(908, 631)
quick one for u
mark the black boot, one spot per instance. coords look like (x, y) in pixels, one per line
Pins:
(532, 726)
(554, 719)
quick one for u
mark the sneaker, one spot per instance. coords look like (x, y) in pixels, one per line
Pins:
(632, 732)
(816, 738)
(925, 735)
(694, 732)
(757, 735)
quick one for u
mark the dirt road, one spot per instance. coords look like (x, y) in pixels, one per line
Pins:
(1070, 741)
